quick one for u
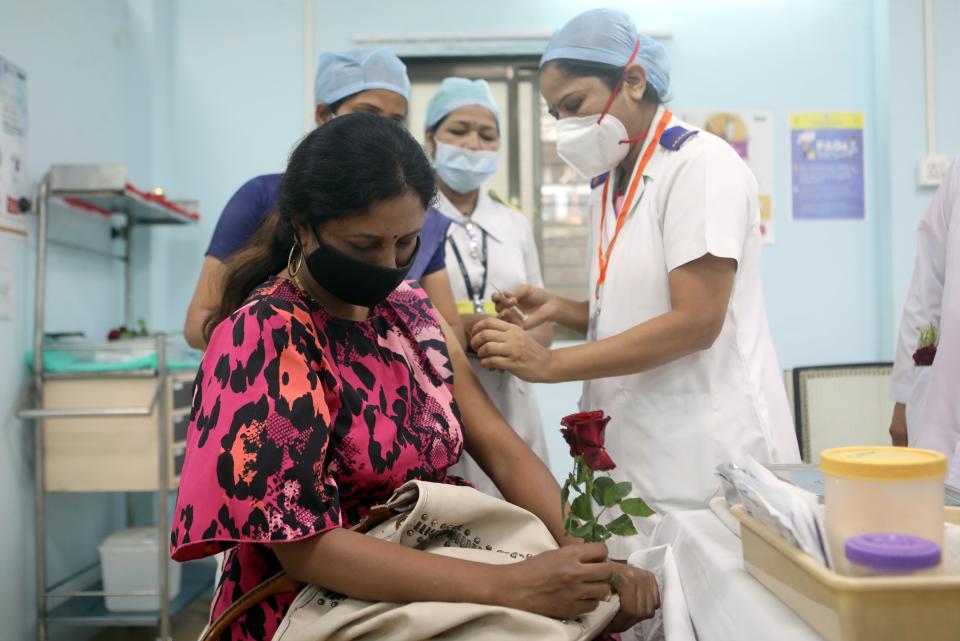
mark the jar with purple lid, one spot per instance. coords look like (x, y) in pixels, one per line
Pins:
(890, 554)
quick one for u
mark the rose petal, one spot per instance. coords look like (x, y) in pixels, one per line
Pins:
(598, 460)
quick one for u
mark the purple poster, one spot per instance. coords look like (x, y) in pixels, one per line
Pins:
(826, 159)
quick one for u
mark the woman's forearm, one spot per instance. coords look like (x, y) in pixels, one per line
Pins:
(651, 344)
(527, 482)
(699, 295)
(572, 314)
(367, 568)
(543, 334)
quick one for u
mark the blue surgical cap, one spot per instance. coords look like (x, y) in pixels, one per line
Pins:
(459, 92)
(609, 36)
(340, 75)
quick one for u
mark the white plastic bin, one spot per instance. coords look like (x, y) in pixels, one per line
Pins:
(130, 562)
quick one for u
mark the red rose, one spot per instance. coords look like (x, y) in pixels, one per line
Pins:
(925, 355)
(583, 432)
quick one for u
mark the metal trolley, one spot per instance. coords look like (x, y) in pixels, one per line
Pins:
(103, 189)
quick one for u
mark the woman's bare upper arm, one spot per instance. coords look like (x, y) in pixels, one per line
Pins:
(205, 301)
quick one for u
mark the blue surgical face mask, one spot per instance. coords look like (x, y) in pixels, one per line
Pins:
(464, 170)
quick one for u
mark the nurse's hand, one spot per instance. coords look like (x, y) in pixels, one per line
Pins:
(639, 598)
(539, 306)
(898, 425)
(504, 346)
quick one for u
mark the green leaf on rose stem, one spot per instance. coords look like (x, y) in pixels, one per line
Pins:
(601, 532)
(565, 494)
(636, 507)
(600, 488)
(622, 526)
(582, 507)
(610, 496)
(583, 531)
(615, 492)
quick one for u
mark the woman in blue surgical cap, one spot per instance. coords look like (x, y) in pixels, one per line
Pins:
(357, 81)
(678, 349)
(490, 245)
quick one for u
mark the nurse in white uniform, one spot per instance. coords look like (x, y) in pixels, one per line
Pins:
(489, 245)
(679, 352)
(927, 413)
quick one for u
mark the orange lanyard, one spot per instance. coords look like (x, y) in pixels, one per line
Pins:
(602, 261)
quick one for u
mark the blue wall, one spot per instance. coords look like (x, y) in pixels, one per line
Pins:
(199, 96)
(830, 285)
(907, 130)
(80, 81)
(234, 109)
(833, 288)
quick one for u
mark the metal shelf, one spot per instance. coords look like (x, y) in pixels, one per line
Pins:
(104, 190)
(196, 580)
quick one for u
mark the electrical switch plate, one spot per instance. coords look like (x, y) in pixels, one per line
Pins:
(931, 170)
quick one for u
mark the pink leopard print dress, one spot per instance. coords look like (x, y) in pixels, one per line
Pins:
(301, 423)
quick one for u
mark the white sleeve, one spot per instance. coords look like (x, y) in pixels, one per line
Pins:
(531, 259)
(924, 299)
(707, 207)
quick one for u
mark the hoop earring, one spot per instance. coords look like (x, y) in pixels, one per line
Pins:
(290, 268)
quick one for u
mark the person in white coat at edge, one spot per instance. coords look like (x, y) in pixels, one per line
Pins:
(678, 351)
(489, 245)
(927, 410)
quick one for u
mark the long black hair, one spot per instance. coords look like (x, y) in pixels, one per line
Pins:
(338, 170)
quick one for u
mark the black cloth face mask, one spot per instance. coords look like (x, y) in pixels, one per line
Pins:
(355, 281)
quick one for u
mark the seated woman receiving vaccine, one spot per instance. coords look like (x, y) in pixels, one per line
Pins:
(326, 387)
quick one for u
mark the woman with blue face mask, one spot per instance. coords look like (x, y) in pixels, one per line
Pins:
(489, 245)
(678, 350)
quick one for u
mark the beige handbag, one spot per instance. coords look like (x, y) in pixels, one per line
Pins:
(453, 521)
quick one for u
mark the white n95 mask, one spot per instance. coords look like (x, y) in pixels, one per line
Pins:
(464, 170)
(592, 147)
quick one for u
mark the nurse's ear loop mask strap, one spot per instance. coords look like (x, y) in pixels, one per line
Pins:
(625, 206)
(616, 92)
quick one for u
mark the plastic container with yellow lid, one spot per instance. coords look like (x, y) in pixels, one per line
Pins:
(881, 489)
